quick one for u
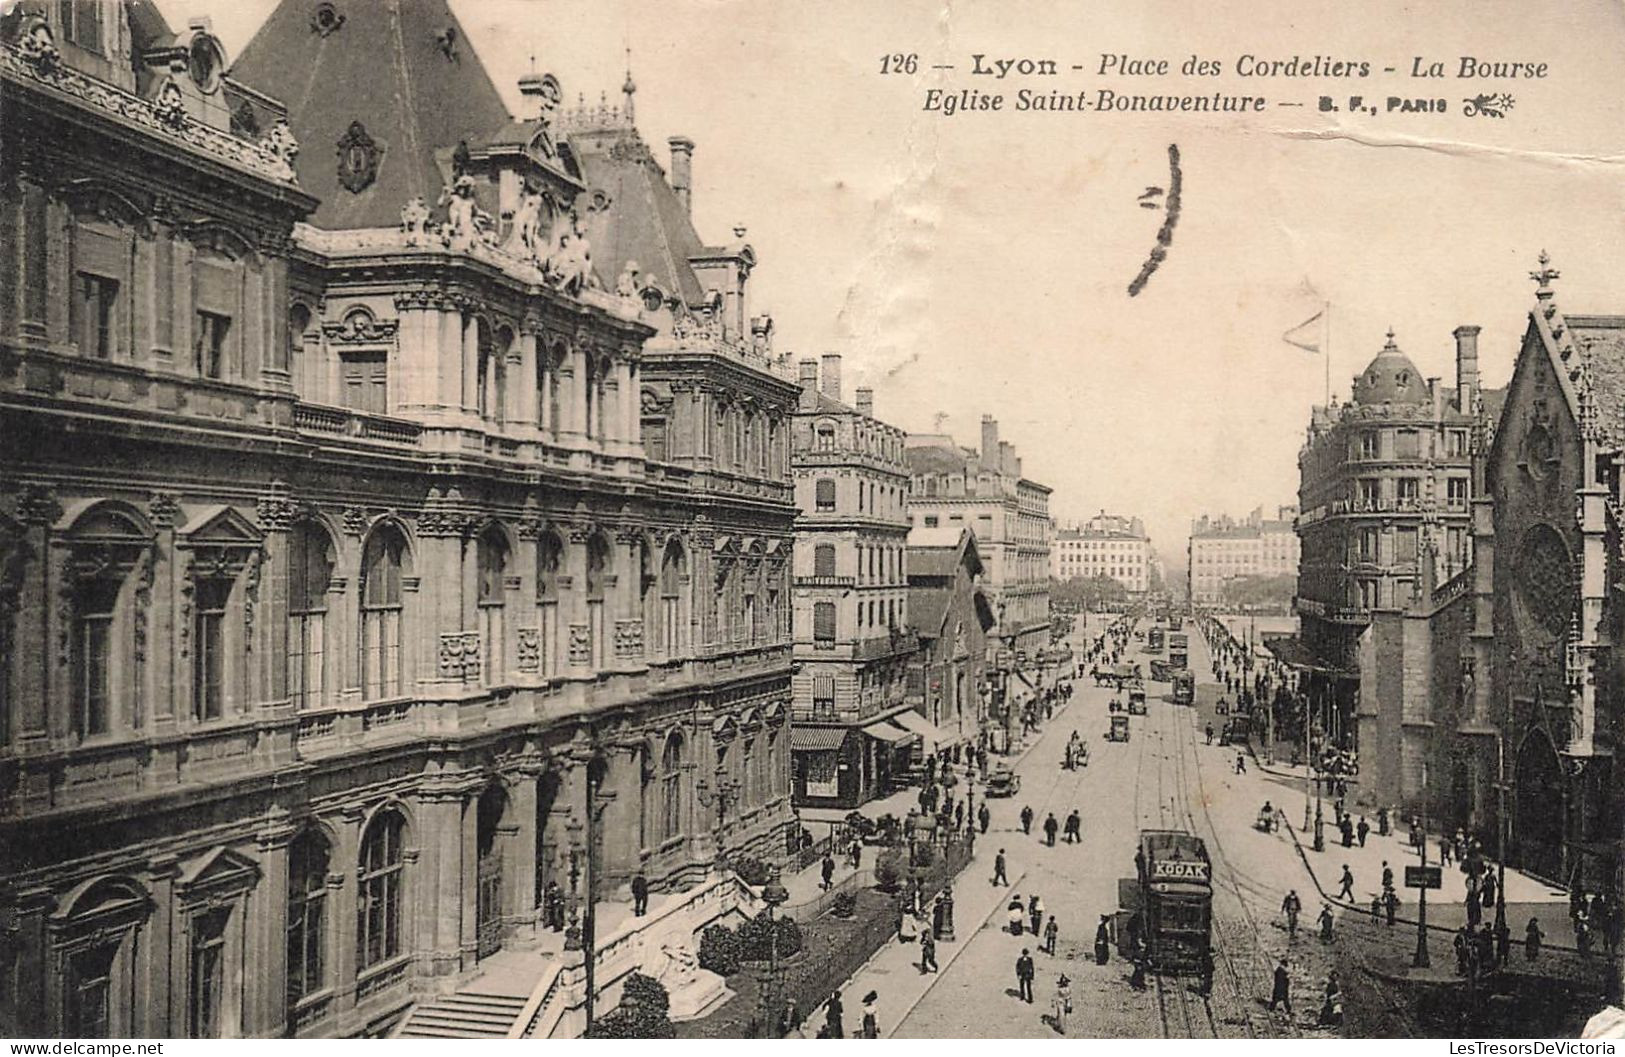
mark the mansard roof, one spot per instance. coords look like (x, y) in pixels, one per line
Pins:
(404, 71)
(645, 222)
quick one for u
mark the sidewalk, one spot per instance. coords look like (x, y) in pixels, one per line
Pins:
(894, 969)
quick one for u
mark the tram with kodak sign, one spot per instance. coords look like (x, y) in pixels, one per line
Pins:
(1170, 903)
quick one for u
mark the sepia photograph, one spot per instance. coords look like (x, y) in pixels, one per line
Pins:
(700, 520)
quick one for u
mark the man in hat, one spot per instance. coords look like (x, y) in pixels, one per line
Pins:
(999, 876)
(1025, 971)
(1280, 993)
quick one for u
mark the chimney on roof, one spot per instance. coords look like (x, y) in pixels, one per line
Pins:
(682, 170)
(1466, 366)
(990, 442)
(200, 24)
(866, 401)
(830, 375)
(1007, 458)
(807, 373)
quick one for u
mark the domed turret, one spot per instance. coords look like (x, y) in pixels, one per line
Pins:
(1390, 378)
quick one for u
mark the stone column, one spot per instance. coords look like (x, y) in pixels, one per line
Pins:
(449, 367)
(265, 1005)
(519, 866)
(413, 373)
(343, 902)
(468, 838)
(36, 635)
(276, 511)
(632, 433)
(523, 395)
(469, 364)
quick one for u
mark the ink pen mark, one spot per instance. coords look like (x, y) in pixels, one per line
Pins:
(1165, 235)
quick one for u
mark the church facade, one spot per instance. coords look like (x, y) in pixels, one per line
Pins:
(374, 559)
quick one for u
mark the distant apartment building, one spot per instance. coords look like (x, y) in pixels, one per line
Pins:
(1223, 549)
(1385, 481)
(954, 488)
(852, 637)
(1105, 545)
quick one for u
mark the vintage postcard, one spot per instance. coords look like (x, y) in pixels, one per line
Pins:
(716, 519)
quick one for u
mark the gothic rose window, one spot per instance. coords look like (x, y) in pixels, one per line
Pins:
(1545, 577)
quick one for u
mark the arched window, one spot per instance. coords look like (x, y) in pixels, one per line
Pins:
(382, 562)
(749, 789)
(824, 559)
(96, 941)
(307, 915)
(310, 569)
(493, 569)
(107, 548)
(671, 784)
(378, 897)
(673, 617)
(549, 560)
(598, 576)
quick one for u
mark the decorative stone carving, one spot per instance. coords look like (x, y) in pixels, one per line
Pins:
(415, 221)
(627, 285)
(526, 239)
(280, 142)
(37, 46)
(628, 639)
(358, 156)
(444, 523)
(276, 512)
(170, 106)
(580, 644)
(38, 506)
(466, 222)
(355, 521)
(529, 649)
(360, 327)
(459, 654)
(569, 260)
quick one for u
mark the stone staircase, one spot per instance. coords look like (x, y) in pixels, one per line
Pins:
(465, 1014)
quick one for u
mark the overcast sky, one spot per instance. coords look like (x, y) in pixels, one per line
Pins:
(979, 263)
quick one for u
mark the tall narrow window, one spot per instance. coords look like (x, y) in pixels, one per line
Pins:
(307, 915)
(310, 572)
(824, 625)
(97, 603)
(209, 649)
(824, 559)
(298, 323)
(209, 345)
(671, 784)
(549, 558)
(88, 992)
(381, 614)
(673, 623)
(824, 494)
(378, 904)
(598, 572)
(82, 23)
(206, 973)
(493, 568)
(96, 300)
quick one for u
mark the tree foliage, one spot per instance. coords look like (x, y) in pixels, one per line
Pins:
(644, 1013)
(1274, 590)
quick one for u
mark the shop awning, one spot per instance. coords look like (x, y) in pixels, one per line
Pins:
(817, 739)
(935, 737)
(889, 732)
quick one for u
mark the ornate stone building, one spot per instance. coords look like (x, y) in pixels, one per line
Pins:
(377, 560)
(1382, 478)
(853, 729)
(1545, 678)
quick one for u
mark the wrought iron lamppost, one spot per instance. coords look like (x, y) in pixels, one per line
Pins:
(775, 895)
(572, 931)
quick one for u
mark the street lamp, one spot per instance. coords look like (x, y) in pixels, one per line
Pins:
(774, 895)
(1422, 960)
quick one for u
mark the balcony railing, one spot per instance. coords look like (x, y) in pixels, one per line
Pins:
(886, 646)
(342, 422)
(46, 69)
